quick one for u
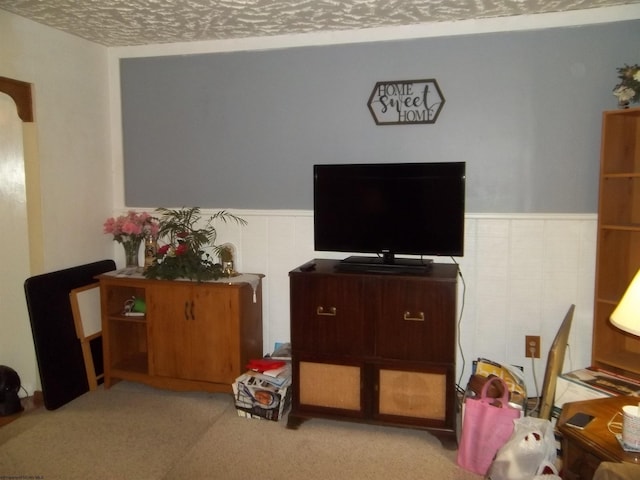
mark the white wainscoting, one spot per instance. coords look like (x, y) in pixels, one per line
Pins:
(521, 273)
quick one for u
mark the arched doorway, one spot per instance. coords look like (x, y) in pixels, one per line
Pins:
(20, 213)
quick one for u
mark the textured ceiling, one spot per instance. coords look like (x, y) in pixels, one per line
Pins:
(143, 22)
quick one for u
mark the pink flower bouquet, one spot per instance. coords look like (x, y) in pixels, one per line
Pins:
(132, 226)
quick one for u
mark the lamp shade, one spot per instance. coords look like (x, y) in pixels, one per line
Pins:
(626, 316)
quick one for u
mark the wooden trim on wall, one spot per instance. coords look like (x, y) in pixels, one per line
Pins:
(20, 92)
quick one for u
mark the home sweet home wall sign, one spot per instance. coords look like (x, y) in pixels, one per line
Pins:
(406, 102)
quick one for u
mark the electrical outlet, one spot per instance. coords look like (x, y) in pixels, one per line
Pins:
(532, 346)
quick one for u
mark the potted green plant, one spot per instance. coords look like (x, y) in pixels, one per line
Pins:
(187, 237)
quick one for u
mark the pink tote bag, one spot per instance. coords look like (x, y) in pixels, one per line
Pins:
(485, 429)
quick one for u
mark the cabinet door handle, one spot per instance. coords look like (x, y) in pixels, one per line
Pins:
(193, 316)
(419, 318)
(186, 310)
(331, 312)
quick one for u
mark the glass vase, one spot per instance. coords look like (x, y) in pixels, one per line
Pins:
(131, 252)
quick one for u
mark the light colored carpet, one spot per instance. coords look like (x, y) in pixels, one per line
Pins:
(136, 432)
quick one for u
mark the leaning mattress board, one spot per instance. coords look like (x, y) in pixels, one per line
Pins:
(58, 350)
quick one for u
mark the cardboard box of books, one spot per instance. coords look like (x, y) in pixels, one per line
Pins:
(590, 383)
(263, 395)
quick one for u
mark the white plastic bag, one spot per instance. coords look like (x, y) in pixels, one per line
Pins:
(531, 446)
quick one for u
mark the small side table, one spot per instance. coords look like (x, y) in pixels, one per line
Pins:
(583, 450)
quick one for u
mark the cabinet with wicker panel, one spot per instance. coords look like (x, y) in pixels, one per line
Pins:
(377, 348)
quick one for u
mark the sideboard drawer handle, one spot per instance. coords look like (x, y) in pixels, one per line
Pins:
(329, 313)
(419, 318)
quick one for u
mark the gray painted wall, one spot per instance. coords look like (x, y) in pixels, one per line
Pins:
(243, 129)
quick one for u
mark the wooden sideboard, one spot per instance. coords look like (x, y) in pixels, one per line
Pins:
(374, 347)
(193, 336)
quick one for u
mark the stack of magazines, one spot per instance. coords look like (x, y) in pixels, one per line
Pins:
(263, 390)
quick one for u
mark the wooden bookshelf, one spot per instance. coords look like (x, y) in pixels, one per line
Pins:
(618, 249)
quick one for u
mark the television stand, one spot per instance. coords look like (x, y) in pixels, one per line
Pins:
(381, 265)
(375, 348)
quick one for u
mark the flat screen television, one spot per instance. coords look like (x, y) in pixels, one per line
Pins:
(390, 209)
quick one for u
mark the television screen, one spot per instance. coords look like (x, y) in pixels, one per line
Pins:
(389, 209)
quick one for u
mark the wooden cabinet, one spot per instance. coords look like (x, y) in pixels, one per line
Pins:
(618, 249)
(194, 336)
(374, 347)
